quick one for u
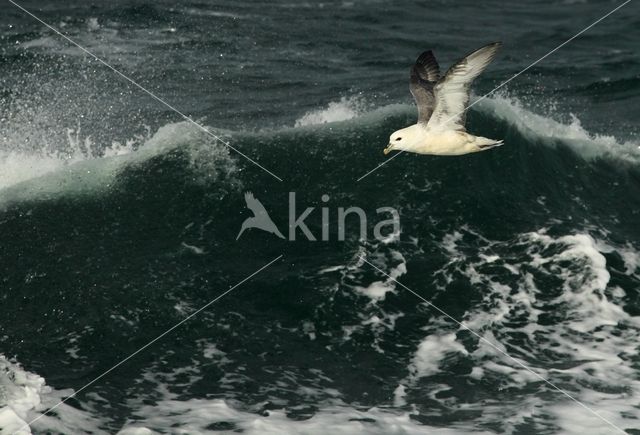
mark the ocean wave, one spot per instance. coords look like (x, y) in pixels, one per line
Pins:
(47, 173)
(348, 123)
(18, 165)
(545, 129)
(553, 132)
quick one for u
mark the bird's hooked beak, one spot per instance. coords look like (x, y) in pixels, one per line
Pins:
(388, 149)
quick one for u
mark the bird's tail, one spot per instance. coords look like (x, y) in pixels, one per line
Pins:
(485, 143)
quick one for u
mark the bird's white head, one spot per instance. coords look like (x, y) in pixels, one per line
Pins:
(404, 139)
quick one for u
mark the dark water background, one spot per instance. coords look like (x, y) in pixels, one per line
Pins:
(117, 220)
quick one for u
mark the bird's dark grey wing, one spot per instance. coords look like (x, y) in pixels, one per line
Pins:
(452, 91)
(424, 75)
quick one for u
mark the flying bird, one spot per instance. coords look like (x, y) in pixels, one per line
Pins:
(260, 219)
(442, 103)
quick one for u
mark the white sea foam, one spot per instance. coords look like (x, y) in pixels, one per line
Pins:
(588, 346)
(431, 351)
(377, 290)
(23, 395)
(196, 415)
(16, 167)
(343, 110)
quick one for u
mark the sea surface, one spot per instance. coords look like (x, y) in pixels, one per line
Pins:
(119, 219)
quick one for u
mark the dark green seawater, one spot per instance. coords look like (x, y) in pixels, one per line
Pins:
(119, 219)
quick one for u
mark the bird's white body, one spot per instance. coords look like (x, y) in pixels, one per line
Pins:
(442, 103)
(423, 140)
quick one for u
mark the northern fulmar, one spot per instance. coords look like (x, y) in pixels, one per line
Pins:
(442, 103)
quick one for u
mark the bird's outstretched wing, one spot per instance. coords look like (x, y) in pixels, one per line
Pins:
(254, 205)
(424, 75)
(452, 91)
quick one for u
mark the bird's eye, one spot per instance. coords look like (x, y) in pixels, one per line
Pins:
(398, 139)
